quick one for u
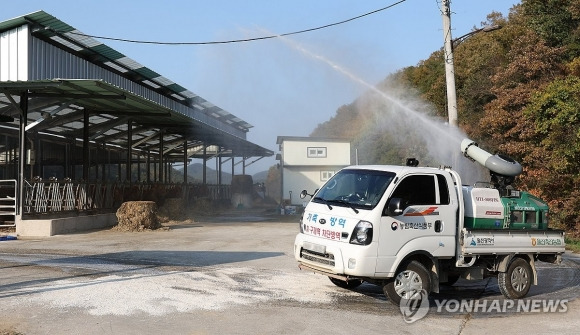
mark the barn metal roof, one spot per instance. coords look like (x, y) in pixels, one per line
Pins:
(48, 27)
(56, 105)
(56, 108)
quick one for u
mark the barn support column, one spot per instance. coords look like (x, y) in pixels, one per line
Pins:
(148, 166)
(22, 151)
(185, 162)
(138, 166)
(161, 163)
(86, 157)
(66, 155)
(129, 151)
(38, 156)
(155, 175)
(73, 166)
(109, 163)
(103, 163)
(204, 163)
(218, 161)
(96, 161)
(119, 170)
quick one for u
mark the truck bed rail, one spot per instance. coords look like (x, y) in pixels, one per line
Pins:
(480, 242)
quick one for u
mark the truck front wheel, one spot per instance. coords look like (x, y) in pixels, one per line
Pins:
(411, 282)
(517, 280)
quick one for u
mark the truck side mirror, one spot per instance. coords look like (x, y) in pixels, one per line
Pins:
(304, 193)
(395, 207)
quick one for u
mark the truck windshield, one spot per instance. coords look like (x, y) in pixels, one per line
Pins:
(355, 188)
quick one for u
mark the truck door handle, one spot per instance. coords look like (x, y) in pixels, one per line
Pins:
(438, 226)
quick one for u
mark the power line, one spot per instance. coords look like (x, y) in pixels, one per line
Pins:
(238, 40)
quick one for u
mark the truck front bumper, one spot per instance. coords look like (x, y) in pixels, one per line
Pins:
(335, 259)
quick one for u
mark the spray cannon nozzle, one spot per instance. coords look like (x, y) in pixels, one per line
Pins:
(465, 144)
(500, 165)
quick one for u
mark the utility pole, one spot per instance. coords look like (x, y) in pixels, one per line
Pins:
(449, 67)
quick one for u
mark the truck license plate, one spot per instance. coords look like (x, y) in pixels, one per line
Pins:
(317, 248)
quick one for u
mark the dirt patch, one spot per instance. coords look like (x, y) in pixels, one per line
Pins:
(9, 332)
(176, 209)
(173, 209)
(137, 216)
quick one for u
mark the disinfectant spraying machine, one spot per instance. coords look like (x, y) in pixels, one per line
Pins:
(499, 206)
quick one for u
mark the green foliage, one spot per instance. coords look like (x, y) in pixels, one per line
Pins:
(553, 20)
(573, 244)
(555, 112)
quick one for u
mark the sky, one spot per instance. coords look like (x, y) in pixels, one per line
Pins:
(281, 86)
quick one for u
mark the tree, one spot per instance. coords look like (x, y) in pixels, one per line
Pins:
(531, 65)
(555, 21)
(554, 158)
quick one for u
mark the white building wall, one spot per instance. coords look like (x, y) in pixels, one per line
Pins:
(14, 46)
(304, 178)
(308, 164)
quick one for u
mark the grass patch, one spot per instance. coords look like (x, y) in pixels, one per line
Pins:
(573, 244)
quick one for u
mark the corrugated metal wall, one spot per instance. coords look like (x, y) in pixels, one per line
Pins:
(50, 62)
(14, 54)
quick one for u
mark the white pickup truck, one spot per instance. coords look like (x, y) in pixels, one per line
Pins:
(410, 229)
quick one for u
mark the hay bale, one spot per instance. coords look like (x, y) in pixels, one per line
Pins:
(137, 216)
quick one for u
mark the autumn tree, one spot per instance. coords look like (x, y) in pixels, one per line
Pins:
(553, 159)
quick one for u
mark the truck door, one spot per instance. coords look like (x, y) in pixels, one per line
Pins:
(427, 220)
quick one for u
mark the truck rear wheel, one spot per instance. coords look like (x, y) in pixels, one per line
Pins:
(517, 280)
(349, 285)
(411, 282)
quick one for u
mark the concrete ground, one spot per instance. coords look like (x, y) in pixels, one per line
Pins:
(235, 274)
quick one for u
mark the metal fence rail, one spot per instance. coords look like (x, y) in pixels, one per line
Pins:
(56, 196)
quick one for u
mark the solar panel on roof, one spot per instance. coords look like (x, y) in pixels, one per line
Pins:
(88, 42)
(66, 43)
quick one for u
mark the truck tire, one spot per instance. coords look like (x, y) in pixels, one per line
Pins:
(349, 285)
(411, 281)
(517, 280)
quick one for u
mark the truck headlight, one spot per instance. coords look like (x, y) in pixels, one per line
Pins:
(362, 233)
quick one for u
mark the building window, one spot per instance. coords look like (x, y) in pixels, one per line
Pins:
(325, 175)
(316, 152)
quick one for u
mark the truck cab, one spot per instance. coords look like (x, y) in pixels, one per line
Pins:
(366, 220)
(410, 229)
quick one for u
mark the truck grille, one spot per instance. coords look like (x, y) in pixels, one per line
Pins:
(325, 259)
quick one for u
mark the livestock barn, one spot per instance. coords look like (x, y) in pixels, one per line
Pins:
(84, 128)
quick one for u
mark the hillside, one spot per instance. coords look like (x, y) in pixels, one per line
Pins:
(518, 92)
